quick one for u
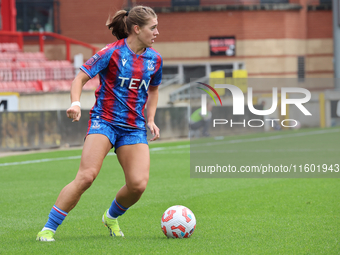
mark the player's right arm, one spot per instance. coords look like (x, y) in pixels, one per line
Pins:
(89, 70)
(74, 112)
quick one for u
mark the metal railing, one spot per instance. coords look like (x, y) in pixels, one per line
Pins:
(17, 37)
(169, 79)
(187, 91)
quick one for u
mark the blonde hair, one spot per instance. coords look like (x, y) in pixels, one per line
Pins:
(122, 22)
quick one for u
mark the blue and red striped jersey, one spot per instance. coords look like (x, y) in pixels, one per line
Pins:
(124, 81)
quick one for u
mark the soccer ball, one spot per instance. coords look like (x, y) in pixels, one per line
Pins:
(178, 222)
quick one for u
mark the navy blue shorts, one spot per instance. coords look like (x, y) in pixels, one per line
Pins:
(118, 135)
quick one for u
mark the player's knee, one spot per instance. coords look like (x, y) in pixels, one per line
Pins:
(85, 181)
(138, 187)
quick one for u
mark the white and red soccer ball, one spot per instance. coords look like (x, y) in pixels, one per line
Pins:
(178, 222)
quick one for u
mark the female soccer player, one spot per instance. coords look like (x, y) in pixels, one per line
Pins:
(130, 72)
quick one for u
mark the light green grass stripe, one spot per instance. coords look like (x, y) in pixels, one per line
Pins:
(78, 157)
(275, 137)
(156, 149)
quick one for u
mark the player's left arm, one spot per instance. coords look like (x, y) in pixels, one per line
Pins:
(151, 107)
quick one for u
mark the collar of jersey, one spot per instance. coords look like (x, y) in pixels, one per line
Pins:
(132, 52)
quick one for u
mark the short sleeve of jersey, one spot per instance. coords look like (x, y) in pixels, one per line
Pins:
(97, 62)
(157, 78)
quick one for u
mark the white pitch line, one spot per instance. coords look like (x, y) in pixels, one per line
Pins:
(159, 149)
(268, 138)
(39, 161)
(260, 151)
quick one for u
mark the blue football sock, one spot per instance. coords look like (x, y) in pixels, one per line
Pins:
(116, 209)
(55, 218)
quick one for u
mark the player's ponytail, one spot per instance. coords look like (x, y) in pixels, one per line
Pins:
(118, 25)
(123, 21)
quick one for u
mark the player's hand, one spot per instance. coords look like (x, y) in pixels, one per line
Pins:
(74, 113)
(154, 131)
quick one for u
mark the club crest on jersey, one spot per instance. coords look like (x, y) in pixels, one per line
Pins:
(95, 124)
(93, 60)
(150, 65)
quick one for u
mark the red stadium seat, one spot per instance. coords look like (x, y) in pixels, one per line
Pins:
(31, 71)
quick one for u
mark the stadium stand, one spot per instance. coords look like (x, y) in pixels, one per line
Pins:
(29, 72)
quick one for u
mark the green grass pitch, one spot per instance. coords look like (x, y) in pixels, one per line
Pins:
(234, 215)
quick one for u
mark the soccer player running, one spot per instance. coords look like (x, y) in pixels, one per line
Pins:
(130, 72)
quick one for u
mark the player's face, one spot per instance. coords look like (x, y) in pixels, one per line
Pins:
(149, 32)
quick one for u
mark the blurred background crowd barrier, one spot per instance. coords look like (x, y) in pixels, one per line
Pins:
(52, 129)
